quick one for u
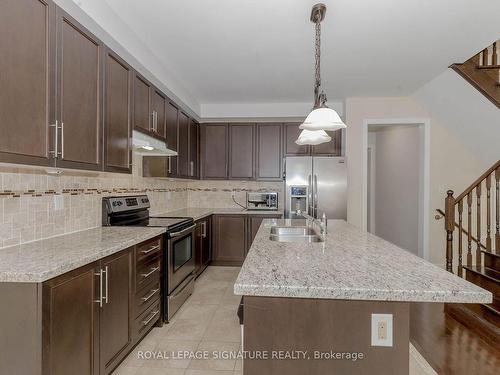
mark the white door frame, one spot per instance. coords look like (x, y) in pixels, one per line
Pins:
(426, 123)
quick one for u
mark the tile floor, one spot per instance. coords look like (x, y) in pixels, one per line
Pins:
(207, 322)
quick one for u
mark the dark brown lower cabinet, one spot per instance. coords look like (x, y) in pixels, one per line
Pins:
(233, 235)
(71, 322)
(115, 321)
(80, 323)
(202, 244)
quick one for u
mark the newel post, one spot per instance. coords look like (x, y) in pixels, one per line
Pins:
(449, 224)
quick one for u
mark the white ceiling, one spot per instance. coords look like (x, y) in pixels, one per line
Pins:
(258, 51)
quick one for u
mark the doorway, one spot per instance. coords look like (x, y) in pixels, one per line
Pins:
(395, 180)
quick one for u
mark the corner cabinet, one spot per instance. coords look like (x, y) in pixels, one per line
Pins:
(232, 236)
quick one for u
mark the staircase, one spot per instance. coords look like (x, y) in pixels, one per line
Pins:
(483, 72)
(468, 217)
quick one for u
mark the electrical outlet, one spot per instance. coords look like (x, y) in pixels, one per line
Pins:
(381, 329)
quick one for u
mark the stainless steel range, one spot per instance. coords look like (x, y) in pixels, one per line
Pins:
(179, 260)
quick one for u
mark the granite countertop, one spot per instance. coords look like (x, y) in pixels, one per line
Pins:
(199, 213)
(42, 260)
(352, 265)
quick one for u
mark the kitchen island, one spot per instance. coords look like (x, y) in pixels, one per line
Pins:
(319, 298)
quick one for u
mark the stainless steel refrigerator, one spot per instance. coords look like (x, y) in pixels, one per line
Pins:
(316, 185)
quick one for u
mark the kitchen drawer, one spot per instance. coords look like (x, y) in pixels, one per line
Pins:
(147, 273)
(148, 250)
(146, 296)
(147, 319)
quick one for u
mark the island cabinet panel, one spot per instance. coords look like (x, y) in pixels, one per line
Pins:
(230, 239)
(214, 155)
(27, 68)
(142, 104)
(71, 322)
(241, 151)
(116, 316)
(324, 326)
(117, 114)
(183, 165)
(291, 132)
(79, 95)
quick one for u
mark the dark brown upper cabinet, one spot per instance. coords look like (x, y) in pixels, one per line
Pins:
(332, 148)
(291, 132)
(118, 76)
(27, 37)
(194, 135)
(142, 104)
(214, 152)
(183, 165)
(241, 151)
(269, 159)
(172, 121)
(159, 102)
(79, 95)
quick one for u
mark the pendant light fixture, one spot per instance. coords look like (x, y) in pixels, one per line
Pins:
(321, 117)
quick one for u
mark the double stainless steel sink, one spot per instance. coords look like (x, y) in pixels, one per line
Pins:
(294, 234)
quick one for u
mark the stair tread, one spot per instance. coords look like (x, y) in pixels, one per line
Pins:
(486, 272)
(488, 66)
(493, 253)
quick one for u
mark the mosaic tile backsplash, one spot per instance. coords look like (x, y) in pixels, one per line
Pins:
(35, 205)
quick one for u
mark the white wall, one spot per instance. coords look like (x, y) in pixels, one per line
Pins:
(397, 189)
(465, 141)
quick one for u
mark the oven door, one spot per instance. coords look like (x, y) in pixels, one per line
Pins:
(180, 254)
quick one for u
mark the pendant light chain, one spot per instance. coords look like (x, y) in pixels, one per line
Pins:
(318, 56)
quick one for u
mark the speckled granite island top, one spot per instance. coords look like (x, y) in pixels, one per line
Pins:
(352, 265)
(199, 213)
(42, 260)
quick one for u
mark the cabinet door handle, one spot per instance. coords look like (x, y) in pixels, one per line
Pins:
(169, 164)
(153, 270)
(192, 168)
(56, 139)
(152, 248)
(147, 321)
(148, 297)
(100, 274)
(204, 229)
(106, 271)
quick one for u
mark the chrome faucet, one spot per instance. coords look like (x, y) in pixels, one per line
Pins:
(321, 223)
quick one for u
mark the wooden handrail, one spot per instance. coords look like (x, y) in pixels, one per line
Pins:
(441, 212)
(478, 181)
(454, 206)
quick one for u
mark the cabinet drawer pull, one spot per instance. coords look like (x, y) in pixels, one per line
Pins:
(153, 292)
(152, 248)
(153, 270)
(147, 321)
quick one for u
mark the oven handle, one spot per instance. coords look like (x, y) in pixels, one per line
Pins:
(177, 234)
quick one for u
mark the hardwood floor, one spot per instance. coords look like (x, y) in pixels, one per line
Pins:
(449, 346)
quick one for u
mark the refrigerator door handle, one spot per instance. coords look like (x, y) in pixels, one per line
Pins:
(309, 196)
(315, 197)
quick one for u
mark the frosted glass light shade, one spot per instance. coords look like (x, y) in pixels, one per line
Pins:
(312, 137)
(323, 119)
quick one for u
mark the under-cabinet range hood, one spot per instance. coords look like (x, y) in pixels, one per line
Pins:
(149, 146)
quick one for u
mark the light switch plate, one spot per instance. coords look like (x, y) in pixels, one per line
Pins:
(381, 329)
